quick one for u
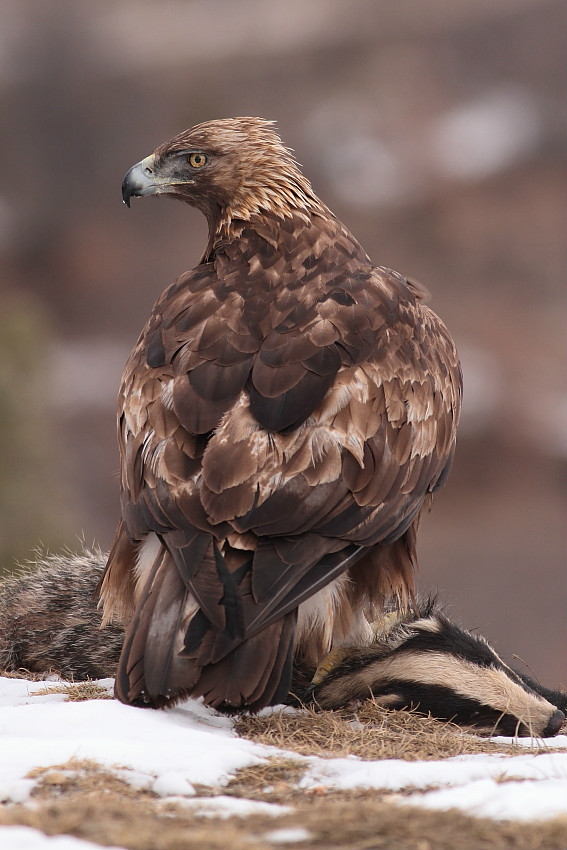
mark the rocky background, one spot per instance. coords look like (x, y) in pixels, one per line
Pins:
(435, 130)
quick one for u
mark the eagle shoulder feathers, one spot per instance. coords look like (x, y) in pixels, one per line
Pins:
(286, 413)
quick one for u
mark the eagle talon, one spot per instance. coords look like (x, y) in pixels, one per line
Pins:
(330, 662)
(385, 623)
(307, 695)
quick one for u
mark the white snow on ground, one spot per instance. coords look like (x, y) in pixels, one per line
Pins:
(188, 744)
(227, 807)
(397, 775)
(288, 836)
(26, 838)
(171, 751)
(518, 801)
(482, 785)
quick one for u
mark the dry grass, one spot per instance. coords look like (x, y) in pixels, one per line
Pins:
(22, 673)
(81, 777)
(371, 732)
(275, 781)
(81, 799)
(76, 692)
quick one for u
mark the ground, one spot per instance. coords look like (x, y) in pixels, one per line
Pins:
(77, 763)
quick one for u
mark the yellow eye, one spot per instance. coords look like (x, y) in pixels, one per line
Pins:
(197, 160)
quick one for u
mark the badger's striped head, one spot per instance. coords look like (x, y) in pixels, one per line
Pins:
(427, 663)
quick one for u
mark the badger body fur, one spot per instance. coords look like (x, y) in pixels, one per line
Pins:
(418, 659)
(49, 620)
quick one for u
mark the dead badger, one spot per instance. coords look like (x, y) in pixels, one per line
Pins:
(418, 659)
(421, 660)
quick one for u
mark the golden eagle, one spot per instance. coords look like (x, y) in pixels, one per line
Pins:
(286, 413)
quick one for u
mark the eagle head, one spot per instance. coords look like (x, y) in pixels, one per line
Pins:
(230, 169)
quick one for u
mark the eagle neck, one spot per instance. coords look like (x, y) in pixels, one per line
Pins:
(236, 234)
(292, 201)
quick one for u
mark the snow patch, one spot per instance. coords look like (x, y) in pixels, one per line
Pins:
(26, 838)
(172, 751)
(288, 836)
(227, 807)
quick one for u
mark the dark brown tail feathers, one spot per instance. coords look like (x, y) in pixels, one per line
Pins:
(255, 674)
(158, 665)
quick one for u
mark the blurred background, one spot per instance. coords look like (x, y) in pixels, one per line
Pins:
(435, 130)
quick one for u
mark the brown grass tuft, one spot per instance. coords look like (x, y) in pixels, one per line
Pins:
(22, 673)
(275, 781)
(81, 778)
(76, 692)
(370, 732)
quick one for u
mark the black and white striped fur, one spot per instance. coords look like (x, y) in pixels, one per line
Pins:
(421, 660)
(49, 621)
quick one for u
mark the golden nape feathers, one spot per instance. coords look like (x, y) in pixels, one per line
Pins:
(287, 411)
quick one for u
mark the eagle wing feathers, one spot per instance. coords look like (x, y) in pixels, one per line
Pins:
(288, 408)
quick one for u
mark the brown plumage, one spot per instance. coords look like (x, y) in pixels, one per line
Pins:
(284, 416)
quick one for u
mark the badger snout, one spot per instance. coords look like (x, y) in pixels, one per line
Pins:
(555, 723)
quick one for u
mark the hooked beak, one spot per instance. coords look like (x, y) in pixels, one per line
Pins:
(141, 180)
(148, 178)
